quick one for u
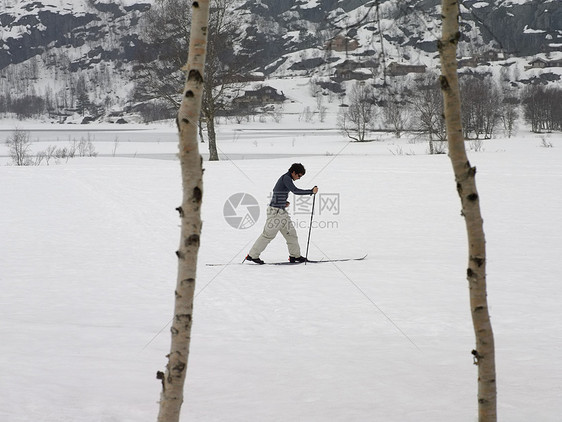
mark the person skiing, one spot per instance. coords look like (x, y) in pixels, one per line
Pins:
(278, 219)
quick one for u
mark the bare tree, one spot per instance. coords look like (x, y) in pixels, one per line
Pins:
(509, 112)
(396, 111)
(427, 103)
(167, 25)
(543, 108)
(219, 71)
(356, 121)
(320, 107)
(484, 354)
(82, 97)
(173, 379)
(481, 105)
(18, 147)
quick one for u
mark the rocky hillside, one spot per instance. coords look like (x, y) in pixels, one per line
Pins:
(58, 50)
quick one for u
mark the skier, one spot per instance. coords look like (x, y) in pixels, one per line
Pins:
(278, 219)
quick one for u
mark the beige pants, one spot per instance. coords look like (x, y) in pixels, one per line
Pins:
(278, 220)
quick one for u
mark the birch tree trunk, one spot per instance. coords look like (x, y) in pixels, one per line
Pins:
(173, 380)
(466, 187)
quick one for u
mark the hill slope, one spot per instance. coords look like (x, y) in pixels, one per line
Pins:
(48, 48)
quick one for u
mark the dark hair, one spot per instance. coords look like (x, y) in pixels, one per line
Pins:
(297, 168)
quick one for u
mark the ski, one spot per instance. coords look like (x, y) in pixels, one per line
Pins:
(321, 261)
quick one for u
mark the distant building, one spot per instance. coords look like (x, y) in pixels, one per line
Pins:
(540, 63)
(350, 69)
(470, 62)
(342, 43)
(482, 58)
(259, 97)
(247, 77)
(397, 69)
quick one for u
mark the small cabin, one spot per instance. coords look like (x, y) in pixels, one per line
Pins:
(397, 69)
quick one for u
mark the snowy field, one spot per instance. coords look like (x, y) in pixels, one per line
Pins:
(87, 274)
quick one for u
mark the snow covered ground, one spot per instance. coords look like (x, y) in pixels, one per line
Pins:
(87, 274)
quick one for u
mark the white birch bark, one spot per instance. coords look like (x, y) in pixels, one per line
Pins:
(484, 355)
(173, 379)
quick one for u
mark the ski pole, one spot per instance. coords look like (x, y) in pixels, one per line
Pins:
(310, 228)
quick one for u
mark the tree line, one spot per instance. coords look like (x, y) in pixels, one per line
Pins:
(20, 150)
(417, 106)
